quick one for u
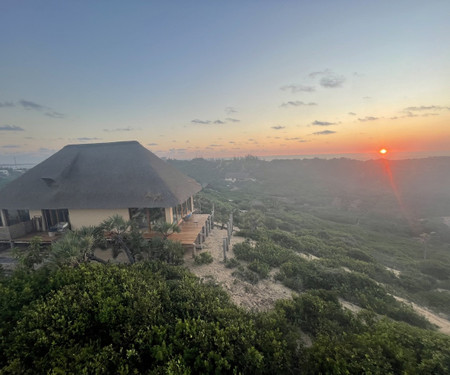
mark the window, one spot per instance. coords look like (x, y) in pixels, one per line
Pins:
(182, 210)
(53, 217)
(147, 217)
(176, 214)
(16, 216)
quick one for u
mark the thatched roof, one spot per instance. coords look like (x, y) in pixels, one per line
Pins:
(99, 176)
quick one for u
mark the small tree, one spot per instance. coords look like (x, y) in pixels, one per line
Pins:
(165, 250)
(33, 255)
(73, 249)
(121, 232)
(166, 229)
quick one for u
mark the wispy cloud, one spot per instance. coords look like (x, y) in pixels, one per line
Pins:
(12, 128)
(230, 110)
(298, 139)
(215, 122)
(54, 114)
(319, 73)
(329, 78)
(27, 104)
(203, 122)
(426, 108)
(332, 81)
(87, 139)
(412, 114)
(322, 123)
(298, 88)
(324, 132)
(352, 113)
(278, 127)
(6, 104)
(119, 130)
(297, 103)
(10, 146)
(368, 118)
(152, 144)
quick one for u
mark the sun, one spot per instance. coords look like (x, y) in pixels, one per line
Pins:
(383, 151)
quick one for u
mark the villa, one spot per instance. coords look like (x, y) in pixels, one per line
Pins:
(84, 184)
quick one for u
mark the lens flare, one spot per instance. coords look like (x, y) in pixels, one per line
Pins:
(383, 151)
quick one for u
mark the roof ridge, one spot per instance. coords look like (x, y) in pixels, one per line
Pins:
(101, 144)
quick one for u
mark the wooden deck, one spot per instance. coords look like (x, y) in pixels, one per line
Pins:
(193, 233)
(45, 238)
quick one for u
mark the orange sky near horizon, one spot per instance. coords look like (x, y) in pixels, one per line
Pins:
(271, 78)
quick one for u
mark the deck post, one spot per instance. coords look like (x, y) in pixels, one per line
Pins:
(224, 246)
(200, 240)
(194, 250)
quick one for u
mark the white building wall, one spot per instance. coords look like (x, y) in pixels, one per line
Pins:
(39, 225)
(34, 213)
(80, 218)
(169, 215)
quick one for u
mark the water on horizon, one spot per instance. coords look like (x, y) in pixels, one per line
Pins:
(361, 156)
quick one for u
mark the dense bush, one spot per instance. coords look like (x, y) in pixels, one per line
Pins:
(261, 268)
(132, 319)
(265, 251)
(246, 274)
(156, 318)
(231, 263)
(438, 270)
(203, 258)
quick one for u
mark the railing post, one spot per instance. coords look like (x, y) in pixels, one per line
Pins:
(224, 246)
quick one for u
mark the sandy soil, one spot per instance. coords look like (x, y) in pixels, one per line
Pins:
(261, 296)
(395, 272)
(442, 323)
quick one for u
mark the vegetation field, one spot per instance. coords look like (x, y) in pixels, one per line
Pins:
(332, 242)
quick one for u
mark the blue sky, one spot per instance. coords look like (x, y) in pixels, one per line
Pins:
(208, 78)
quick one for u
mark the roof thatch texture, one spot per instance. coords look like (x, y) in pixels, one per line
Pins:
(99, 176)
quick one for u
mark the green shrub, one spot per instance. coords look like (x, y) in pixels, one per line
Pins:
(265, 251)
(435, 299)
(416, 282)
(232, 263)
(360, 255)
(203, 258)
(261, 268)
(246, 275)
(435, 269)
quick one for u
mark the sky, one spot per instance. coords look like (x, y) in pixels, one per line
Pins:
(225, 78)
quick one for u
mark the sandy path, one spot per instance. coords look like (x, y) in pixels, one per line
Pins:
(442, 323)
(261, 296)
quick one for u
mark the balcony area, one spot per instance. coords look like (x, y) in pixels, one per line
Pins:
(193, 233)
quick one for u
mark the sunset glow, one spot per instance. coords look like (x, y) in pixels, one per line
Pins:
(265, 80)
